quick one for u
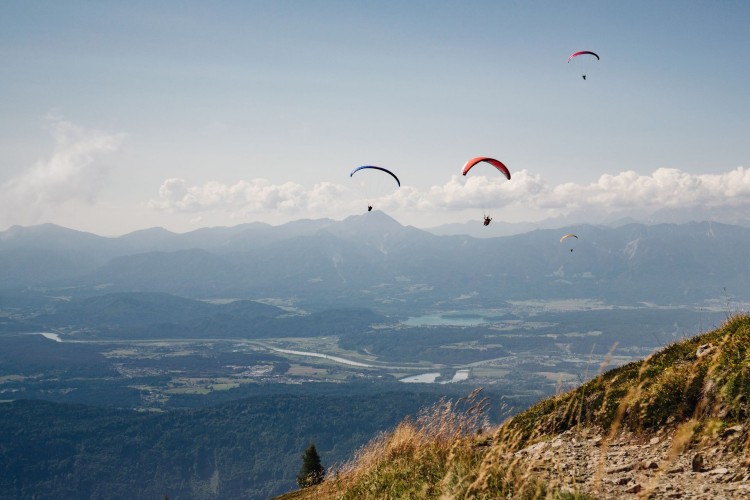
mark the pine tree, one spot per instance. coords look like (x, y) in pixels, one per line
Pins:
(312, 471)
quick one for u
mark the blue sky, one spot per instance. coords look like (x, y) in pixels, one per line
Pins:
(117, 116)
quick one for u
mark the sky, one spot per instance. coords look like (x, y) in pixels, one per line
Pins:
(124, 115)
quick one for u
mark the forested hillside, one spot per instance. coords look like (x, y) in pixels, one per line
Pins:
(246, 449)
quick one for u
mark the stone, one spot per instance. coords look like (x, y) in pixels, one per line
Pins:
(634, 489)
(704, 349)
(718, 471)
(654, 440)
(729, 431)
(698, 463)
(620, 468)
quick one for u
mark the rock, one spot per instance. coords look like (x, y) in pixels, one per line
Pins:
(698, 463)
(649, 464)
(654, 440)
(719, 471)
(621, 481)
(620, 468)
(676, 470)
(538, 447)
(729, 431)
(634, 489)
(705, 349)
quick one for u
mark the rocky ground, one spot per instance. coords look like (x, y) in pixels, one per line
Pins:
(660, 466)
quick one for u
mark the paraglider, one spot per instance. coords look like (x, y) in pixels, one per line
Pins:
(376, 168)
(495, 163)
(479, 159)
(583, 53)
(566, 236)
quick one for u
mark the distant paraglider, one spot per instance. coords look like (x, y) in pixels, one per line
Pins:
(495, 163)
(373, 167)
(566, 236)
(583, 53)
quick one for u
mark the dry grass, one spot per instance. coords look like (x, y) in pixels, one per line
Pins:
(443, 453)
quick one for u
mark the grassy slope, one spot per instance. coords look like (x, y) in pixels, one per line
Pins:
(696, 387)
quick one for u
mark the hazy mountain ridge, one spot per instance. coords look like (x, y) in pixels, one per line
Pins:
(371, 258)
(684, 215)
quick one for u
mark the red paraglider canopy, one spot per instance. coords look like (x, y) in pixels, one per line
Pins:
(497, 164)
(582, 52)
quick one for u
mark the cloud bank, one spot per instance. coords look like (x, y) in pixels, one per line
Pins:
(74, 172)
(247, 197)
(665, 188)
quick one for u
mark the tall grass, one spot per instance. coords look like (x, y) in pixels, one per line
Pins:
(440, 454)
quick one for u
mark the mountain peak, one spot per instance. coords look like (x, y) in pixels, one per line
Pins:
(374, 217)
(375, 228)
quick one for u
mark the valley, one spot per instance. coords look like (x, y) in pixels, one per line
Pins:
(525, 350)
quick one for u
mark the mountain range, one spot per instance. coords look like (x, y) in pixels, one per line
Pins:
(371, 260)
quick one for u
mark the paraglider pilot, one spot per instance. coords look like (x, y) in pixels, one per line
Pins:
(583, 76)
(487, 220)
(369, 208)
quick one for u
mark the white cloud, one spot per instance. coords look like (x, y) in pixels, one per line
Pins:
(244, 197)
(664, 188)
(74, 172)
